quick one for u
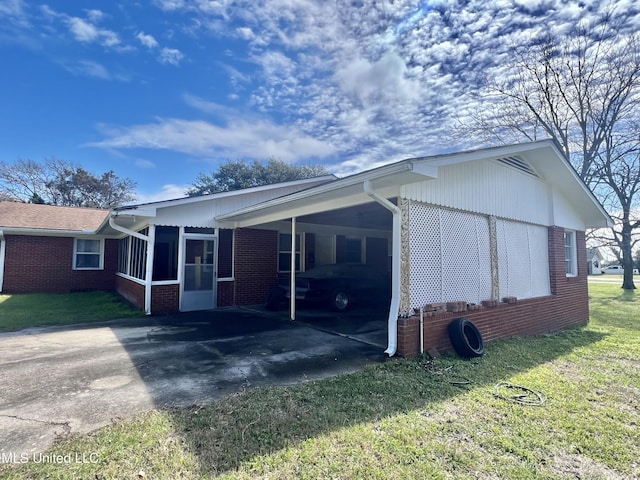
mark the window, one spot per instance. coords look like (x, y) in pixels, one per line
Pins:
(138, 258)
(165, 257)
(132, 256)
(284, 252)
(123, 255)
(225, 254)
(570, 260)
(353, 250)
(88, 254)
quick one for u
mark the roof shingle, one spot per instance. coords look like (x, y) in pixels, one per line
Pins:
(49, 217)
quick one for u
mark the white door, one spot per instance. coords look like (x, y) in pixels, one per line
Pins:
(199, 273)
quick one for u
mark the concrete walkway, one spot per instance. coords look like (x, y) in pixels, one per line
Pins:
(76, 379)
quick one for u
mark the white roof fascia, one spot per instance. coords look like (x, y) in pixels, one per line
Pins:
(149, 209)
(46, 232)
(488, 153)
(351, 188)
(568, 183)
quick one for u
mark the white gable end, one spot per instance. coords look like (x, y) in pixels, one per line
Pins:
(486, 187)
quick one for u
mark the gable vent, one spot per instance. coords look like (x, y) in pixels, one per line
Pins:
(518, 163)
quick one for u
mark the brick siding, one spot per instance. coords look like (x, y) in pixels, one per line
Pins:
(256, 265)
(132, 291)
(36, 264)
(225, 294)
(165, 299)
(567, 305)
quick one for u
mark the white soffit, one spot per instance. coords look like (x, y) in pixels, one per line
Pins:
(346, 192)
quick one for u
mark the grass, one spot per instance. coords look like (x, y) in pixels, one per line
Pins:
(404, 418)
(38, 310)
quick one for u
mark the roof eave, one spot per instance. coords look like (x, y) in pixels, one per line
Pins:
(384, 177)
(46, 232)
(149, 209)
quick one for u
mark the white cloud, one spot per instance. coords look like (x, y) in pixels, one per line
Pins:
(171, 56)
(167, 192)
(240, 137)
(383, 81)
(147, 40)
(374, 81)
(170, 5)
(144, 164)
(95, 15)
(15, 24)
(12, 8)
(89, 68)
(206, 106)
(87, 32)
(245, 33)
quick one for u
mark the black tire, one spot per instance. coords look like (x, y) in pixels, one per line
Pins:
(274, 299)
(340, 300)
(466, 338)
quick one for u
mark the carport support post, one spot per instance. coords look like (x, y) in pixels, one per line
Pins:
(148, 276)
(292, 285)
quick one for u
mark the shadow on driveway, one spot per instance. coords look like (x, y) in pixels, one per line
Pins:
(82, 377)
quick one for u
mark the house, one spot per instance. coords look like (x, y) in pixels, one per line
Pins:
(595, 261)
(44, 248)
(496, 235)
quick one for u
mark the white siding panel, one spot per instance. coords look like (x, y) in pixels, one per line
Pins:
(539, 246)
(523, 259)
(514, 259)
(565, 215)
(486, 187)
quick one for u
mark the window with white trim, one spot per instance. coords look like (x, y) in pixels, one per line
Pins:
(88, 254)
(132, 256)
(570, 256)
(284, 252)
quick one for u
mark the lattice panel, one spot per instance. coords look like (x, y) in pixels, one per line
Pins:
(523, 260)
(425, 254)
(450, 255)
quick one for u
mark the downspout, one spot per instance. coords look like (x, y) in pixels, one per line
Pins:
(149, 271)
(396, 250)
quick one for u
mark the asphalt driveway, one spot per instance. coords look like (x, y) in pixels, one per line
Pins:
(76, 379)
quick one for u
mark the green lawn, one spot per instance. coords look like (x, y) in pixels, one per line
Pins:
(405, 418)
(44, 309)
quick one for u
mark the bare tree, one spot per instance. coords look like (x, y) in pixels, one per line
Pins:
(58, 182)
(583, 91)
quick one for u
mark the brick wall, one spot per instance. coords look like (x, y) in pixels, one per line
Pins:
(45, 264)
(567, 305)
(165, 299)
(256, 260)
(132, 291)
(225, 294)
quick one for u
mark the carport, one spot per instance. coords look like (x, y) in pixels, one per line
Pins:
(365, 204)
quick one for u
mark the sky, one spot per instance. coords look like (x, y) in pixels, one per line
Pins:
(161, 90)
